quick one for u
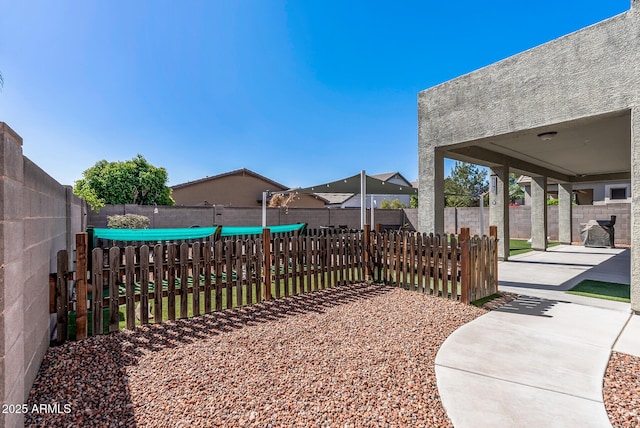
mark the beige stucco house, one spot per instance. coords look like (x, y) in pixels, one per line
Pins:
(238, 188)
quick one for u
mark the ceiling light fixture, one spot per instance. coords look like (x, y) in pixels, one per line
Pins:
(546, 136)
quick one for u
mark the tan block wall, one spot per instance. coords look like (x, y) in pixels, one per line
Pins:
(39, 217)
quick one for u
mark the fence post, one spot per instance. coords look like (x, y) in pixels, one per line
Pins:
(367, 252)
(266, 251)
(62, 297)
(465, 262)
(493, 231)
(81, 285)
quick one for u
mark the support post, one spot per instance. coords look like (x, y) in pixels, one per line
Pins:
(372, 222)
(81, 285)
(431, 191)
(565, 208)
(266, 247)
(635, 206)
(539, 213)
(499, 208)
(493, 231)
(265, 194)
(367, 252)
(363, 199)
(465, 276)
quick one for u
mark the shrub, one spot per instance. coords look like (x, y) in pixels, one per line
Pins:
(128, 221)
(393, 205)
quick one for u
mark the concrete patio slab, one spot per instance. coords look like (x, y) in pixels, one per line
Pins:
(564, 320)
(500, 403)
(540, 360)
(629, 340)
(501, 350)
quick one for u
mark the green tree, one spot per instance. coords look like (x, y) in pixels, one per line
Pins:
(393, 205)
(516, 191)
(414, 201)
(465, 185)
(135, 181)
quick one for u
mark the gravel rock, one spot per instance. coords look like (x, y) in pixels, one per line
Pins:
(353, 356)
(621, 390)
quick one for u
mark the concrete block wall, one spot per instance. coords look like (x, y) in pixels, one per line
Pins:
(520, 220)
(236, 216)
(38, 217)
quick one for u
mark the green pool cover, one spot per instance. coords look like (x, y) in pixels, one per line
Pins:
(153, 234)
(257, 230)
(187, 233)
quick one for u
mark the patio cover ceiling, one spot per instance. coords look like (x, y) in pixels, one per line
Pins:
(589, 149)
(352, 185)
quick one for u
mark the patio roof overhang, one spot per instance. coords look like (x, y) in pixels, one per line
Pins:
(586, 150)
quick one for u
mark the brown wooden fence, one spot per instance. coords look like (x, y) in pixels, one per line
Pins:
(154, 283)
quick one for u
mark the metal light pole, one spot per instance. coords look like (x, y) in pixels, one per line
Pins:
(373, 224)
(265, 194)
(363, 199)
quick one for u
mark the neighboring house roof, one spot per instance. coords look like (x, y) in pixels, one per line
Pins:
(241, 171)
(182, 192)
(335, 198)
(389, 175)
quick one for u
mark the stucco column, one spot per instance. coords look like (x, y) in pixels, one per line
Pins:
(431, 190)
(635, 209)
(12, 338)
(499, 207)
(539, 213)
(565, 213)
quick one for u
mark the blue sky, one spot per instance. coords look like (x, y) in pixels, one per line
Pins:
(302, 91)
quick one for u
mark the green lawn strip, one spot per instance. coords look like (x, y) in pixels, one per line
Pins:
(393, 280)
(165, 310)
(520, 246)
(484, 300)
(603, 290)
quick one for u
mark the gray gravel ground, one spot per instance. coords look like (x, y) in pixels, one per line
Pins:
(355, 356)
(621, 390)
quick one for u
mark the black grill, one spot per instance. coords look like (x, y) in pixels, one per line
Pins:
(599, 233)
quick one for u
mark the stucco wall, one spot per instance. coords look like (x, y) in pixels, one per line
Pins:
(39, 217)
(555, 82)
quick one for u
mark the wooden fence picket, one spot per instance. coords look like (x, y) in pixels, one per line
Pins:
(158, 276)
(207, 258)
(286, 254)
(228, 260)
(455, 267)
(276, 265)
(248, 254)
(114, 289)
(239, 274)
(171, 282)
(258, 266)
(62, 296)
(218, 254)
(196, 270)
(81, 285)
(144, 284)
(130, 304)
(97, 284)
(311, 282)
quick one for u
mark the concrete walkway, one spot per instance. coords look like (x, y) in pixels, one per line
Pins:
(540, 360)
